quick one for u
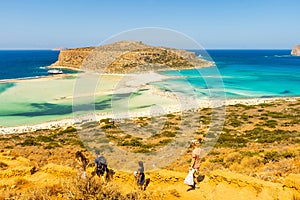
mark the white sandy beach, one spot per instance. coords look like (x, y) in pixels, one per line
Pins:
(146, 113)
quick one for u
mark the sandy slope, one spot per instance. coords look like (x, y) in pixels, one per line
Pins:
(165, 184)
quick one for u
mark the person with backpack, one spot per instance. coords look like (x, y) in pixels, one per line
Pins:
(140, 177)
(83, 162)
(101, 166)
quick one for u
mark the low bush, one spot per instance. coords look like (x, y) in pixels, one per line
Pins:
(3, 165)
(233, 157)
(250, 162)
(29, 142)
(42, 138)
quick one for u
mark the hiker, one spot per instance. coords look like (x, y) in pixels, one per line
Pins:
(83, 162)
(101, 166)
(140, 177)
(195, 163)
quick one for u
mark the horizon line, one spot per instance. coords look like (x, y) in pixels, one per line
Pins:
(54, 49)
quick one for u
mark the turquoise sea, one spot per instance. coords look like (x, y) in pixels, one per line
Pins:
(238, 74)
(244, 74)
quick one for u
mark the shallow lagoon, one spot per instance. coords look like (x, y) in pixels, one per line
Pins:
(35, 101)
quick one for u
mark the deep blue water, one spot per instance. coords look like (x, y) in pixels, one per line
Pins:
(25, 63)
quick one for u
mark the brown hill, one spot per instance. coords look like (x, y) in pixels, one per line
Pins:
(128, 56)
(296, 51)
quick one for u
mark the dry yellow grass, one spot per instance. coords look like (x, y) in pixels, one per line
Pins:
(257, 156)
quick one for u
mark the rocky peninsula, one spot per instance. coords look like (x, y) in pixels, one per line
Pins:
(296, 51)
(128, 57)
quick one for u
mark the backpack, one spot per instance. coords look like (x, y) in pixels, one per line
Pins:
(101, 161)
(101, 165)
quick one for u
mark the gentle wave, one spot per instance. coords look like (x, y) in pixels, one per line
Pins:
(279, 56)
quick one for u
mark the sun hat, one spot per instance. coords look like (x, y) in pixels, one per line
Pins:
(195, 142)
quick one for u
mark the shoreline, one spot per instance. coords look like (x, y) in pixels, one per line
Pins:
(167, 110)
(64, 75)
(49, 77)
(64, 67)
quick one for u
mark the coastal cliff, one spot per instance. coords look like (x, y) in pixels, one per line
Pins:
(296, 51)
(72, 58)
(128, 56)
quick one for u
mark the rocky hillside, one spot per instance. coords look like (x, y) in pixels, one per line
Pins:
(127, 57)
(296, 51)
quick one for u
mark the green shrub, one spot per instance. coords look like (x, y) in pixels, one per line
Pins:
(29, 142)
(270, 123)
(249, 153)
(168, 134)
(245, 117)
(15, 137)
(3, 165)
(217, 160)
(106, 121)
(265, 105)
(165, 142)
(171, 115)
(271, 156)
(133, 142)
(42, 138)
(246, 107)
(232, 141)
(69, 129)
(108, 126)
(235, 123)
(52, 145)
(274, 156)
(4, 139)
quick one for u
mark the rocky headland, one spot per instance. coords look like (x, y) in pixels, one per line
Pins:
(128, 57)
(296, 51)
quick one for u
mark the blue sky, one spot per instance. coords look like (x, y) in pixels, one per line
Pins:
(214, 24)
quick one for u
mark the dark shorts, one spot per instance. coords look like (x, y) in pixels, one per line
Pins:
(101, 170)
(141, 179)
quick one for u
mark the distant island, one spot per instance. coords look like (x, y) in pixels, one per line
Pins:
(128, 56)
(296, 51)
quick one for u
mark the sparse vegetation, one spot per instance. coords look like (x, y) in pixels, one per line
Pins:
(261, 141)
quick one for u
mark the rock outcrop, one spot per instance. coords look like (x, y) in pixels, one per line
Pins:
(128, 57)
(72, 58)
(296, 51)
